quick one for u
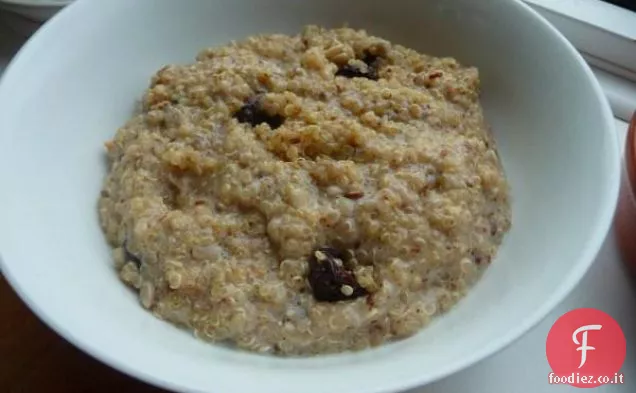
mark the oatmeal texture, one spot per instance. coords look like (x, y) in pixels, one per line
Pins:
(307, 194)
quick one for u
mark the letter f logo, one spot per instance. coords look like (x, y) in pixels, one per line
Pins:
(583, 344)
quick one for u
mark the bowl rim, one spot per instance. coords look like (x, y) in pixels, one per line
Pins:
(630, 153)
(609, 199)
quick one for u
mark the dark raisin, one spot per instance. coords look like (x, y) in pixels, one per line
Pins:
(373, 63)
(370, 60)
(329, 279)
(253, 114)
(129, 256)
(349, 71)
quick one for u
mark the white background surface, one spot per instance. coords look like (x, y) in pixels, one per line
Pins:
(522, 367)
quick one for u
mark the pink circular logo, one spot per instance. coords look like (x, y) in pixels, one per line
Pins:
(585, 348)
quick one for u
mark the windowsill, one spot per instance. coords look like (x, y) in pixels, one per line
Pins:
(605, 35)
(601, 15)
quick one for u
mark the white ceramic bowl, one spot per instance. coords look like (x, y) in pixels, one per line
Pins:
(57, 107)
(36, 10)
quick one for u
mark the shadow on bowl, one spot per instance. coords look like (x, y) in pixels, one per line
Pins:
(34, 10)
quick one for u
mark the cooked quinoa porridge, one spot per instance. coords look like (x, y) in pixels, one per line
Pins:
(306, 194)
